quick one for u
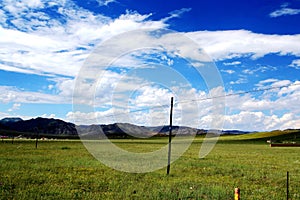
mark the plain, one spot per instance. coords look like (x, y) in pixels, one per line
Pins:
(66, 170)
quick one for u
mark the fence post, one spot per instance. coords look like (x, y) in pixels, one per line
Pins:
(237, 194)
(287, 185)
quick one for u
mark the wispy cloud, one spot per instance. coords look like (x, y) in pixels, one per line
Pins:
(240, 80)
(267, 81)
(221, 45)
(16, 106)
(12, 94)
(229, 71)
(105, 2)
(232, 63)
(176, 14)
(259, 68)
(295, 64)
(284, 10)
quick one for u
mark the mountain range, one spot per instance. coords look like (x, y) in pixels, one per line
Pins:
(56, 128)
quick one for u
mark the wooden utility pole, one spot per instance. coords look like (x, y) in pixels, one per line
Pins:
(170, 137)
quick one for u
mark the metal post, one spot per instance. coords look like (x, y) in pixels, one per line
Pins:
(170, 137)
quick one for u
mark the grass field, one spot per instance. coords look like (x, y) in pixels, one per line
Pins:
(66, 170)
(277, 135)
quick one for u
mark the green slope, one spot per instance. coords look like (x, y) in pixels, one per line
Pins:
(278, 135)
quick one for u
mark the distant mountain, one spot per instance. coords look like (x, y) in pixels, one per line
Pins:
(119, 130)
(126, 128)
(39, 125)
(58, 128)
(234, 132)
(10, 120)
(181, 130)
(5, 123)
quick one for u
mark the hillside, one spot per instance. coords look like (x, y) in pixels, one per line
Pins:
(55, 128)
(45, 127)
(274, 136)
(39, 125)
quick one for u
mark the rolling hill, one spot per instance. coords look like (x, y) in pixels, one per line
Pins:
(55, 128)
(274, 136)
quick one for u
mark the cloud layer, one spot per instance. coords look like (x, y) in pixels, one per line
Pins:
(55, 38)
(221, 45)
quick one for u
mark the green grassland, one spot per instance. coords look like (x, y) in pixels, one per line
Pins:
(276, 136)
(66, 170)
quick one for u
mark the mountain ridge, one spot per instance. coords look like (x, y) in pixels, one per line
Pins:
(56, 127)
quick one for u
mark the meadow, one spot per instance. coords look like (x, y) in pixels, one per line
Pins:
(66, 170)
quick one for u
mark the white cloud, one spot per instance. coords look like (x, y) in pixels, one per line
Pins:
(245, 112)
(232, 63)
(228, 71)
(291, 91)
(150, 106)
(2, 17)
(284, 11)
(105, 2)
(240, 80)
(270, 80)
(64, 87)
(48, 46)
(81, 118)
(40, 44)
(221, 45)
(272, 109)
(281, 83)
(151, 96)
(277, 85)
(143, 102)
(16, 106)
(12, 94)
(3, 115)
(258, 121)
(295, 64)
(50, 87)
(259, 68)
(21, 7)
(61, 47)
(176, 14)
(48, 116)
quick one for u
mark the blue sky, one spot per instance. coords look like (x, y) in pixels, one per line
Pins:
(47, 45)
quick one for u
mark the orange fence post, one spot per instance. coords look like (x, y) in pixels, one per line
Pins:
(237, 194)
